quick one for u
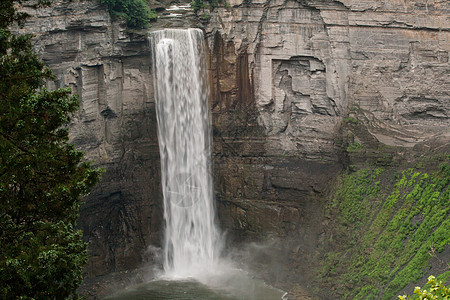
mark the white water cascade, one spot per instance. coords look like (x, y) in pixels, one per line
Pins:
(191, 245)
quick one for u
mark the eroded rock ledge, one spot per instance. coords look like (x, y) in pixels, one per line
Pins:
(311, 62)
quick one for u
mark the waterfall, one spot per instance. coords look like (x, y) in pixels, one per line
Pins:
(191, 243)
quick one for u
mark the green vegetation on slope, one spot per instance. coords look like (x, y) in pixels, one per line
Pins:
(390, 224)
(42, 177)
(135, 12)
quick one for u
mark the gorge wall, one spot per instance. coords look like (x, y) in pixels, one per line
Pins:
(110, 70)
(297, 84)
(312, 62)
(286, 77)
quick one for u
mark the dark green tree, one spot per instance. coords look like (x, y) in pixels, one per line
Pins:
(135, 12)
(42, 176)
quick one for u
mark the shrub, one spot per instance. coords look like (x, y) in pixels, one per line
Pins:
(202, 4)
(437, 291)
(135, 12)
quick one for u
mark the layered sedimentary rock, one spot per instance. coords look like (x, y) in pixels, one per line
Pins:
(311, 62)
(286, 75)
(110, 69)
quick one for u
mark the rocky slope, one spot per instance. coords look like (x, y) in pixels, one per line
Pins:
(293, 84)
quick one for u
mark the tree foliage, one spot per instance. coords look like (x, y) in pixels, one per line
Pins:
(436, 291)
(135, 12)
(42, 176)
(9, 13)
(198, 5)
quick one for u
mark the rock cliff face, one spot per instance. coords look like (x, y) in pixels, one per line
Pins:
(312, 62)
(298, 83)
(285, 76)
(288, 75)
(110, 69)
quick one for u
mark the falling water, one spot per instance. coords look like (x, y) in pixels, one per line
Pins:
(192, 241)
(191, 236)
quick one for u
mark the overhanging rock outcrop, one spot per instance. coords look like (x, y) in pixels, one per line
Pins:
(311, 62)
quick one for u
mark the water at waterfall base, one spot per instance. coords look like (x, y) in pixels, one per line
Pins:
(234, 285)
